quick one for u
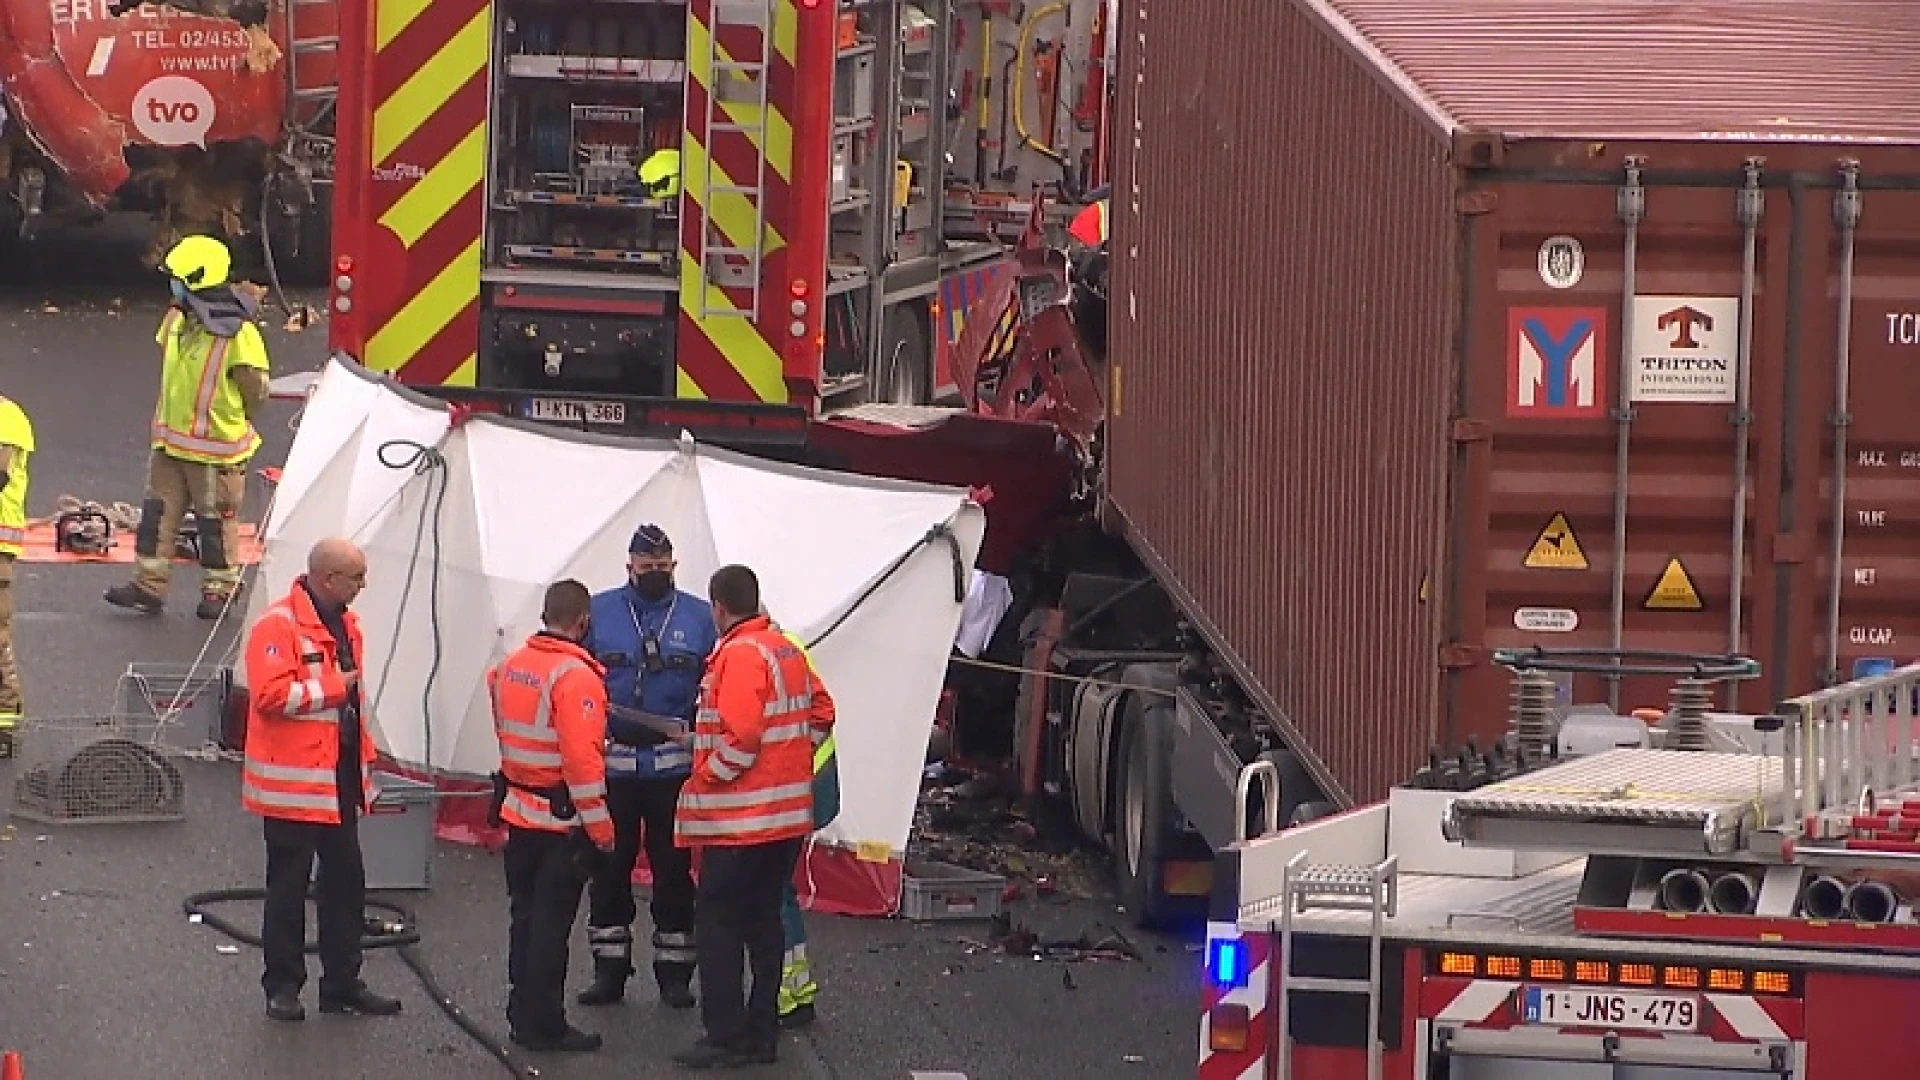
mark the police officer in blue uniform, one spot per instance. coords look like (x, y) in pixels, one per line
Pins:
(654, 641)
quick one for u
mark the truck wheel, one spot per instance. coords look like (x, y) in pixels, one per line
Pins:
(1142, 826)
(906, 364)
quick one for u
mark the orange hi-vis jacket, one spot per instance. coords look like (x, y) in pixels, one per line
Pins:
(297, 694)
(753, 738)
(550, 714)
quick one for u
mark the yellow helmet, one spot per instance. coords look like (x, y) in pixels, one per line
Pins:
(660, 174)
(200, 262)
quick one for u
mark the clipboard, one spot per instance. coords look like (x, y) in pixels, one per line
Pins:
(665, 726)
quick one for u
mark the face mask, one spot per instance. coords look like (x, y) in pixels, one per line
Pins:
(654, 584)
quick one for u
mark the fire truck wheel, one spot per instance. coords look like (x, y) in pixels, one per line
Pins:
(1143, 828)
(905, 361)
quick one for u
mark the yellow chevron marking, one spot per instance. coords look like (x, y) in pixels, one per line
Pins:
(737, 338)
(435, 195)
(778, 144)
(464, 56)
(392, 16)
(685, 387)
(786, 29)
(733, 212)
(467, 373)
(427, 313)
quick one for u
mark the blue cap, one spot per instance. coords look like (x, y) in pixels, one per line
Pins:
(650, 539)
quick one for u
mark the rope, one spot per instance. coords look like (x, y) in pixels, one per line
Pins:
(425, 461)
(1061, 676)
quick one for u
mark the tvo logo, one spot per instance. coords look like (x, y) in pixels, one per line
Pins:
(173, 110)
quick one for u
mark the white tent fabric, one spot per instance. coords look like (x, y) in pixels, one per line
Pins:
(517, 506)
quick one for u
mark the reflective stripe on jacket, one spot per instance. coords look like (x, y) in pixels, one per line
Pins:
(296, 694)
(826, 765)
(550, 715)
(201, 415)
(752, 780)
(16, 436)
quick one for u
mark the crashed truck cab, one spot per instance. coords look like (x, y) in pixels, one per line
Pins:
(1710, 896)
(200, 111)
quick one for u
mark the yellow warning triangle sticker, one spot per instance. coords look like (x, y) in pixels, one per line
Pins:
(1674, 591)
(1556, 548)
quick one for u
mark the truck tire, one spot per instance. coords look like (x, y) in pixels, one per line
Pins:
(1143, 811)
(906, 362)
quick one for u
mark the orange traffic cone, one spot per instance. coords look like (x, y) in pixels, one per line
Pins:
(11, 1068)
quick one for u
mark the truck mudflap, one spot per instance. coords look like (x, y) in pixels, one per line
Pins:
(84, 83)
(755, 426)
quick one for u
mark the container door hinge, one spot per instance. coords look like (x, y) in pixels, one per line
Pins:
(1476, 201)
(1471, 431)
(1455, 656)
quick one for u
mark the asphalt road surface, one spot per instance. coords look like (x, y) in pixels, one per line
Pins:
(103, 978)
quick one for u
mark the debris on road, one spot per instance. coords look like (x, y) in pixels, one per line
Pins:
(1010, 938)
(967, 822)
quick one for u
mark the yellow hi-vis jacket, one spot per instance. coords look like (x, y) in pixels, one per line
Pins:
(201, 415)
(16, 445)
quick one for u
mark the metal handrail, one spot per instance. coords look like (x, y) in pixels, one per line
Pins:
(1847, 744)
(1270, 794)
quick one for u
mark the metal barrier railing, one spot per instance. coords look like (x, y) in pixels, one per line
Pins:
(1847, 745)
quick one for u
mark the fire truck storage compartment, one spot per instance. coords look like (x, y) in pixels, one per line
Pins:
(1368, 375)
(589, 91)
(581, 288)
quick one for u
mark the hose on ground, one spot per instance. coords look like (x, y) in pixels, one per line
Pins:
(400, 934)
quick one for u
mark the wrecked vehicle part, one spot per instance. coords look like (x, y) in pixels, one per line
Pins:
(155, 108)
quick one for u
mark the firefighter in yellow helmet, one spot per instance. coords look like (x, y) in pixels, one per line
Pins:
(16, 446)
(213, 382)
(660, 174)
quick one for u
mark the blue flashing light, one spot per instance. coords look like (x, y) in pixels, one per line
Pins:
(1868, 666)
(1227, 962)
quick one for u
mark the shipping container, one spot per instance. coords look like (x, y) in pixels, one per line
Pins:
(1440, 328)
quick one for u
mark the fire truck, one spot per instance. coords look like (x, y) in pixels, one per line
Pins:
(1697, 896)
(842, 181)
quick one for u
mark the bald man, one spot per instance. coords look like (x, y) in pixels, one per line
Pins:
(307, 753)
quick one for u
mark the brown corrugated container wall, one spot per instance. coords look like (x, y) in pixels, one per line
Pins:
(1332, 432)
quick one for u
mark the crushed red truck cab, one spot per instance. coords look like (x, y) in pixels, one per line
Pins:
(86, 83)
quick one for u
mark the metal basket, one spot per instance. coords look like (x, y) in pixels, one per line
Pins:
(95, 771)
(183, 705)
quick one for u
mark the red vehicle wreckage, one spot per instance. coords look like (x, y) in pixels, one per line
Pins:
(195, 115)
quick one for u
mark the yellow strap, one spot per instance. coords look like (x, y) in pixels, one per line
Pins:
(823, 754)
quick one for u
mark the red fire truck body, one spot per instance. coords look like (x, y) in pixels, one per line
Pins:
(1718, 897)
(816, 246)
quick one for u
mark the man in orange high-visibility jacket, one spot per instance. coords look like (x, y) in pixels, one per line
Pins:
(306, 756)
(746, 809)
(550, 714)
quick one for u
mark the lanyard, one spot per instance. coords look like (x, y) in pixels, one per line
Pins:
(641, 630)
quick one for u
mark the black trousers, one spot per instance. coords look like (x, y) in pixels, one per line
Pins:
(739, 920)
(642, 812)
(340, 898)
(546, 872)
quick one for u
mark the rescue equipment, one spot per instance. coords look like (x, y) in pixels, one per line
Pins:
(84, 529)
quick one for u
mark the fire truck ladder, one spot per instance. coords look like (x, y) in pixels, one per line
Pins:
(307, 105)
(1372, 889)
(721, 264)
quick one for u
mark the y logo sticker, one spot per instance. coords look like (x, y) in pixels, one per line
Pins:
(1556, 363)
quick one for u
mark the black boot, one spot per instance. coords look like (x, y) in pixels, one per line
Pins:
(676, 984)
(134, 598)
(609, 984)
